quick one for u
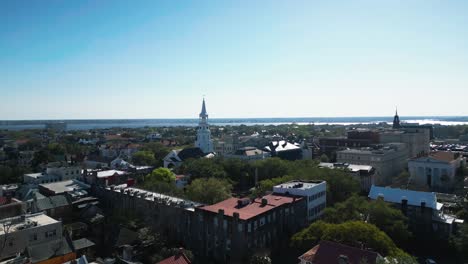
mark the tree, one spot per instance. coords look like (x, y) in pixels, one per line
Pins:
(161, 175)
(384, 216)
(144, 158)
(353, 233)
(159, 150)
(350, 210)
(405, 259)
(460, 241)
(272, 168)
(162, 180)
(324, 158)
(209, 190)
(203, 168)
(390, 220)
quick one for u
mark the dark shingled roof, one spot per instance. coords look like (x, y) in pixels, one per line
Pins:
(190, 153)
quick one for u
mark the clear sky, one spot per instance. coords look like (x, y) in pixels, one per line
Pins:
(156, 59)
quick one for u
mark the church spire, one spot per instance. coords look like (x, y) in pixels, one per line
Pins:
(396, 120)
(203, 110)
(203, 132)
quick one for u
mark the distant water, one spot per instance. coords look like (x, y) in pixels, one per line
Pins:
(137, 123)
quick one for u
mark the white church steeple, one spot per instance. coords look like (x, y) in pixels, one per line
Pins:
(203, 132)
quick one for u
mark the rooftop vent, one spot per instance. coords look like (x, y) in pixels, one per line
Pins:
(243, 202)
(264, 201)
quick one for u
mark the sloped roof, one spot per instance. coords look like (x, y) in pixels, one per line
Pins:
(52, 202)
(330, 252)
(109, 173)
(190, 153)
(82, 243)
(281, 146)
(46, 251)
(396, 195)
(176, 259)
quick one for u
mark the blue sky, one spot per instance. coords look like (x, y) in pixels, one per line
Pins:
(156, 59)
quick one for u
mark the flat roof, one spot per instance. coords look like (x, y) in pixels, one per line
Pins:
(65, 186)
(35, 175)
(18, 223)
(301, 185)
(153, 196)
(396, 195)
(253, 208)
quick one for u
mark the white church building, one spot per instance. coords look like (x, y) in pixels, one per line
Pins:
(203, 145)
(204, 141)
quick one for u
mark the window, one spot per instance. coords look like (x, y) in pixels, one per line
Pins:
(33, 237)
(249, 227)
(50, 233)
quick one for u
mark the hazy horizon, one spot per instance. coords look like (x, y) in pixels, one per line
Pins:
(251, 59)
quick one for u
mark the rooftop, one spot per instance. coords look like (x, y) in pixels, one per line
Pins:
(443, 156)
(176, 259)
(152, 196)
(351, 167)
(376, 150)
(247, 208)
(109, 173)
(18, 223)
(396, 195)
(282, 146)
(327, 252)
(65, 186)
(302, 185)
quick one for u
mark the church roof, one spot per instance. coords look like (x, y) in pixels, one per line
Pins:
(188, 153)
(203, 110)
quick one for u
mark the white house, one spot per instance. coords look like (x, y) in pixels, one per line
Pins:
(315, 192)
(437, 170)
(28, 232)
(153, 136)
(55, 172)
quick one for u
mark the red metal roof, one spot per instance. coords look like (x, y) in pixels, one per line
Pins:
(230, 206)
(177, 259)
(330, 252)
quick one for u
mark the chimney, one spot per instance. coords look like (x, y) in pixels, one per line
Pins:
(180, 251)
(264, 201)
(235, 215)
